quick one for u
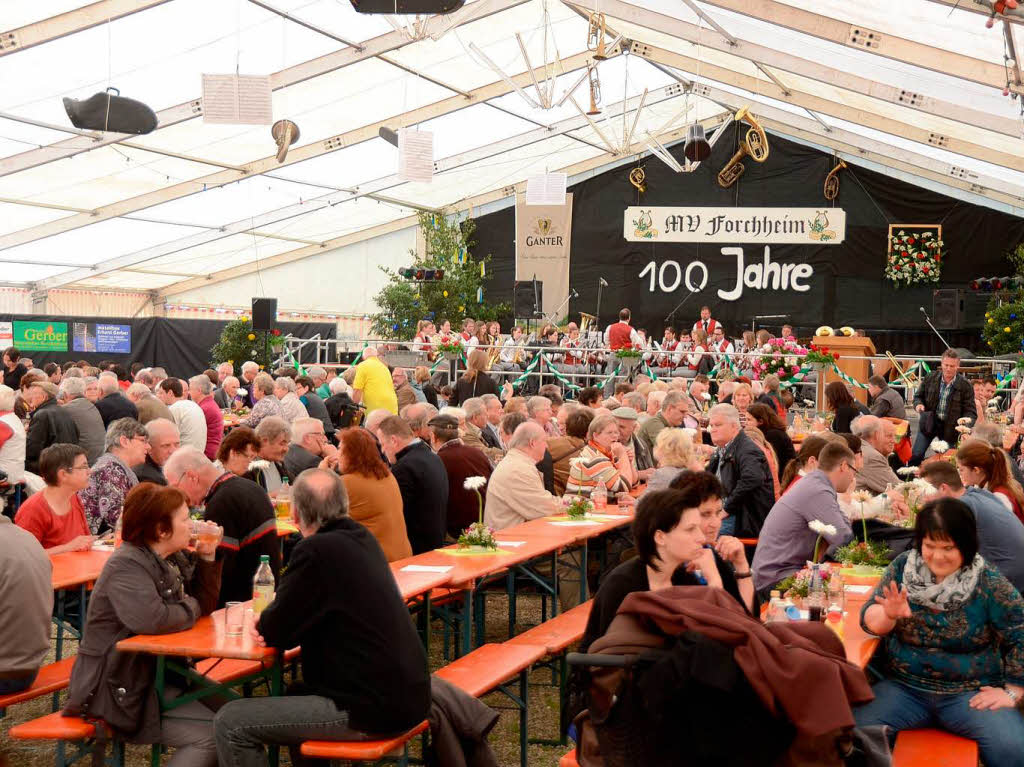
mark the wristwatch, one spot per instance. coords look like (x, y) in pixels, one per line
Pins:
(1013, 695)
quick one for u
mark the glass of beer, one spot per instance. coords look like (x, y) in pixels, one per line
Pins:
(209, 533)
(283, 508)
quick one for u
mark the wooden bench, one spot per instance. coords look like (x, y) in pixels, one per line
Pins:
(64, 729)
(933, 748)
(52, 678)
(363, 751)
(485, 669)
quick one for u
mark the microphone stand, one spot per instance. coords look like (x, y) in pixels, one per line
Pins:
(597, 312)
(929, 321)
(557, 312)
(679, 306)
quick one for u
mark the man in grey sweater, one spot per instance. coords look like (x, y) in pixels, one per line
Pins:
(26, 606)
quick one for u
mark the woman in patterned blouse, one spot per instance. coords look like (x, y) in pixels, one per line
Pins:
(127, 445)
(954, 634)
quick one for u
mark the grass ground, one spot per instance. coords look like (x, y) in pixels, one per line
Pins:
(504, 738)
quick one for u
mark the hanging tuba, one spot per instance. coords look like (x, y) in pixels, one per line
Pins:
(831, 190)
(587, 322)
(754, 145)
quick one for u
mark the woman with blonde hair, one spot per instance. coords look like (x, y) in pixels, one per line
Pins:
(675, 453)
(983, 465)
(695, 360)
(421, 376)
(742, 398)
(475, 381)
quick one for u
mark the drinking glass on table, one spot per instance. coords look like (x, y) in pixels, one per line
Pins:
(625, 500)
(234, 618)
(599, 497)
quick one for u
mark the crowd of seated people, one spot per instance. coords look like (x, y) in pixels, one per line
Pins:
(376, 463)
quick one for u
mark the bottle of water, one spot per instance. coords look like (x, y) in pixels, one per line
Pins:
(816, 596)
(776, 612)
(262, 586)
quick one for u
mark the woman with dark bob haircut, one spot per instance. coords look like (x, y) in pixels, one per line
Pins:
(672, 550)
(150, 585)
(843, 406)
(239, 448)
(954, 634)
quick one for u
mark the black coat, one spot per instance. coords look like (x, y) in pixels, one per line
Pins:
(148, 471)
(481, 384)
(12, 378)
(961, 403)
(338, 601)
(747, 479)
(845, 415)
(423, 482)
(782, 445)
(318, 409)
(115, 405)
(336, 406)
(49, 425)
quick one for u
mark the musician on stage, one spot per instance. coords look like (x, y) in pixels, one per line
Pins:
(468, 331)
(705, 322)
(422, 340)
(697, 361)
(720, 345)
(620, 335)
(510, 358)
(670, 357)
(445, 336)
(574, 362)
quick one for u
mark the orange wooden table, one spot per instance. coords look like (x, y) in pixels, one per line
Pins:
(73, 569)
(860, 645)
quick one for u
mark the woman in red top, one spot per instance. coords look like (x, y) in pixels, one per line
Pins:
(54, 515)
(982, 465)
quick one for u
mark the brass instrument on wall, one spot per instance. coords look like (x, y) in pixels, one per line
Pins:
(637, 178)
(831, 190)
(754, 145)
(596, 32)
(595, 89)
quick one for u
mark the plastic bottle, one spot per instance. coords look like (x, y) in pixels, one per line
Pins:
(262, 586)
(817, 598)
(599, 497)
(776, 612)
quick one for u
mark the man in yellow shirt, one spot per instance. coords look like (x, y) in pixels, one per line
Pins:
(373, 386)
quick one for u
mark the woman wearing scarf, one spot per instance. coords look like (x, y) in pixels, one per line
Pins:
(954, 633)
(602, 462)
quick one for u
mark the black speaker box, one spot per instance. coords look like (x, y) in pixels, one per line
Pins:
(947, 309)
(525, 302)
(264, 313)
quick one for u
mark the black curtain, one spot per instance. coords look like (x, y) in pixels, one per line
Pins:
(181, 346)
(847, 286)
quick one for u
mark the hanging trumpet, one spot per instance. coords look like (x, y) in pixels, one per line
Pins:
(595, 89)
(831, 190)
(596, 36)
(754, 145)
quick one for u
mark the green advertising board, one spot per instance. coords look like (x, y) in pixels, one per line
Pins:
(41, 336)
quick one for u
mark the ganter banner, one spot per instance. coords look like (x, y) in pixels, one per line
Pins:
(792, 226)
(543, 237)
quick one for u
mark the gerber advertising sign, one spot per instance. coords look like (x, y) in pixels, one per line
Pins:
(41, 336)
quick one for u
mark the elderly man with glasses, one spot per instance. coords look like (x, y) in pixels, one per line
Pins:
(309, 446)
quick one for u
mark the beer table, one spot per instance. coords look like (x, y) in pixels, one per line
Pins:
(859, 644)
(206, 639)
(73, 569)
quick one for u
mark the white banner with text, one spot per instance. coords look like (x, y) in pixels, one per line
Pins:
(776, 226)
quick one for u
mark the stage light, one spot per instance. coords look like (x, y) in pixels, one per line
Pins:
(975, 285)
(420, 273)
(428, 275)
(439, 274)
(986, 284)
(406, 273)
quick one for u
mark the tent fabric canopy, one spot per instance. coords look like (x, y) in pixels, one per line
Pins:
(918, 94)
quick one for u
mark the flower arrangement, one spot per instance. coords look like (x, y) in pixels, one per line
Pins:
(914, 493)
(259, 465)
(578, 508)
(448, 347)
(863, 553)
(820, 355)
(781, 356)
(629, 352)
(799, 584)
(914, 257)
(939, 446)
(907, 471)
(477, 535)
(822, 530)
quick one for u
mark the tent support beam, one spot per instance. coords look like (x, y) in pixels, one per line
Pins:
(814, 70)
(68, 23)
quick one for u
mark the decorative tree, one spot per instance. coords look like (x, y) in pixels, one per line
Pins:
(240, 343)
(1004, 318)
(460, 293)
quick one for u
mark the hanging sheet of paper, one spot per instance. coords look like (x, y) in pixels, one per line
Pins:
(546, 189)
(237, 100)
(415, 155)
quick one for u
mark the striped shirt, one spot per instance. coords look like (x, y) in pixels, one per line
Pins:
(591, 469)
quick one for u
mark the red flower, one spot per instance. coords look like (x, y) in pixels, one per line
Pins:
(924, 269)
(911, 240)
(275, 332)
(835, 355)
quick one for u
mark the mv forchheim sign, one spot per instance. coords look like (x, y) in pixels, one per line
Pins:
(767, 226)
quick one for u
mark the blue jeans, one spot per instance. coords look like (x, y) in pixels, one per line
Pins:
(999, 734)
(921, 443)
(243, 727)
(728, 525)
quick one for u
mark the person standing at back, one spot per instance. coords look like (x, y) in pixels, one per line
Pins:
(422, 480)
(373, 387)
(943, 398)
(200, 389)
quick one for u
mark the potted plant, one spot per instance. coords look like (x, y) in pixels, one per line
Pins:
(629, 359)
(450, 350)
(819, 357)
(578, 508)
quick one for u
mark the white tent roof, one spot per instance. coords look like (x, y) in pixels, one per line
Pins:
(918, 94)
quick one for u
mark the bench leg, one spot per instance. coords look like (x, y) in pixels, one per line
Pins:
(524, 690)
(510, 584)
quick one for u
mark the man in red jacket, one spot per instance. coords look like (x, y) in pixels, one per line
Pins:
(705, 322)
(461, 461)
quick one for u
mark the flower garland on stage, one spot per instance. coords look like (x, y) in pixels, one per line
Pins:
(914, 257)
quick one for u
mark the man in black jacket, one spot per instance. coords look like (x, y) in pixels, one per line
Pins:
(112, 404)
(49, 423)
(364, 668)
(423, 481)
(943, 398)
(743, 470)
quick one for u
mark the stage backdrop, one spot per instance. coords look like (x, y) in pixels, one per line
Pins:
(179, 345)
(836, 284)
